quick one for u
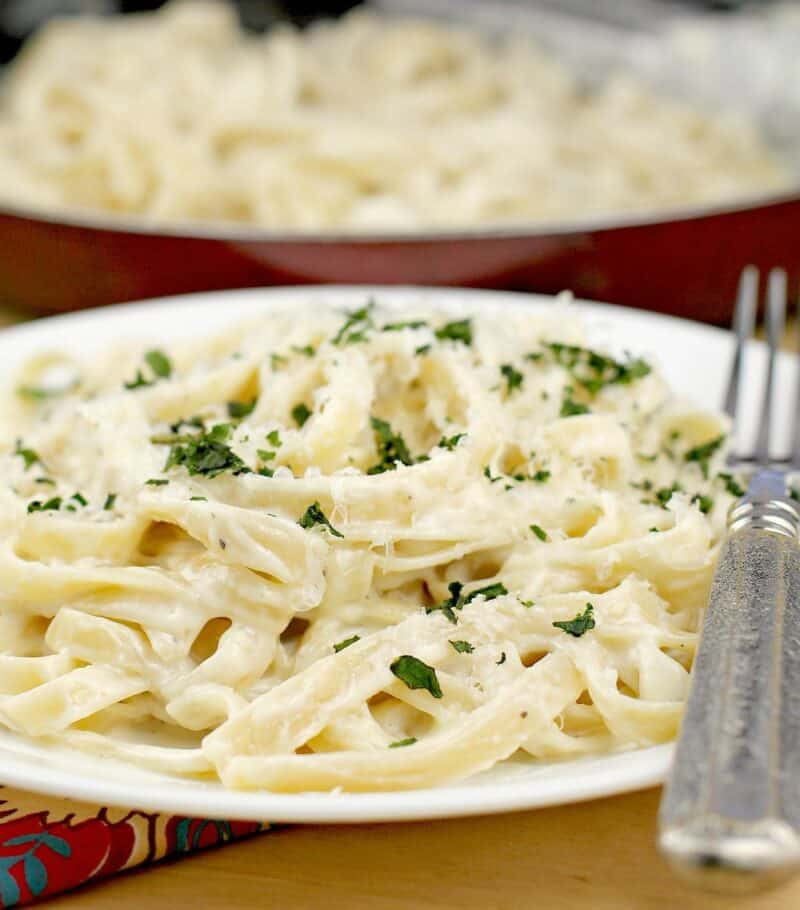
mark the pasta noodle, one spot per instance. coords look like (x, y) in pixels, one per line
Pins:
(367, 550)
(371, 123)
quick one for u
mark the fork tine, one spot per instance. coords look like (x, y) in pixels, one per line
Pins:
(776, 317)
(744, 318)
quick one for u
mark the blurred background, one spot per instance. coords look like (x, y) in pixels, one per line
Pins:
(722, 59)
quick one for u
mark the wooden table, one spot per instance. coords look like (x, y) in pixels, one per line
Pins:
(590, 856)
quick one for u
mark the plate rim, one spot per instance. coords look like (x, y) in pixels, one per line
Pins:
(606, 774)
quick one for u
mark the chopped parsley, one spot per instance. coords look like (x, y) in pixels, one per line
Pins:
(300, 413)
(422, 350)
(513, 378)
(108, 505)
(461, 646)
(399, 326)
(408, 741)
(460, 330)
(307, 350)
(156, 482)
(450, 442)
(42, 393)
(45, 480)
(51, 505)
(265, 454)
(198, 499)
(416, 674)
(704, 503)
(160, 366)
(356, 325)
(579, 624)
(391, 448)
(206, 453)
(274, 437)
(539, 532)
(731, 485)
(314, 515)
(570, 407)
(487, 473)
(702, 454)
(80, 499)
(541, 476)
(594, 371)
(238, 410)
(498, 589)
(345, 643)
(664, 495)
(277, 360)
(452, 603)
(28, 456)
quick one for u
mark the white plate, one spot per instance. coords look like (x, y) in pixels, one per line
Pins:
(694, 359)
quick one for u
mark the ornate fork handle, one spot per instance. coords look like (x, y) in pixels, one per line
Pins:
(730, 816)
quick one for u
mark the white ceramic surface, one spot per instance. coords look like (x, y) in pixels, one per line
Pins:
(694, 359)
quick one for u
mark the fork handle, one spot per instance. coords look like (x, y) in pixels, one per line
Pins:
(730, 815)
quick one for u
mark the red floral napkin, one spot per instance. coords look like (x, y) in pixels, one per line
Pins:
(49, 845)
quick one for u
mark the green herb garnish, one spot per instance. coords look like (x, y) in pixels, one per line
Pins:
(28, 456)
(460, 330)
(422, 350)
(238, 410)
(702, 454)
(156, 482)
(355, 326)
(452, 603)
(399, 326)
(731, 485)
(461, 646)
(277, 360)
(570, 407)
(391, 448)
(593, 370)
(51, 505)
(300, 414)
(204, 453)
(541, 476)
(160, 366)
(307, 350)
(80, 499)
(498, 589)
(539, 532)
(409, 741)
(416, 674)
(314, 515)
(580, 624)
(340, 646)
(108, 505)
(704, 503)
(450, 442)
(512, 377)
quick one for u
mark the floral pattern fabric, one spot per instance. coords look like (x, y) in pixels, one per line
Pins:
(49, 845)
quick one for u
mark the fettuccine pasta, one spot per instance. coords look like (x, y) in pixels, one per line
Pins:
(368, 550)
(370, 123)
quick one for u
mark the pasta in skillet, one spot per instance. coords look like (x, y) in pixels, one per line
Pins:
(367, 550)
(369, 123)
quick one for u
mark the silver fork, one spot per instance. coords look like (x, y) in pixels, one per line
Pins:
(730, 814)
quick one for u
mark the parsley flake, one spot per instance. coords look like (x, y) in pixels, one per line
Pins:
(451, 442)
(205, 453)
(300, 414)
(702, 454)
(80, 499)
(314, 515)
(593, 370)
(408, 741)
(340, 646)
(156, 482)
(704, 503)
(399, 326)
(731, 485)
(52, 505)
(391, 448)
(461, 646)
(490, 592)
(513, 378)
(539, 532)
(541, 476)
(453, 602)
(238, 410)
(108, 505)
(459, 330)
(160, 366)
(357, 323)
(307, 350)
(274, 438)
(28, 456)
(570, 407)
(416, 674)
(579, 624)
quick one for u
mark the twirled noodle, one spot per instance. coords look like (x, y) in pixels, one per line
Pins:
(369, 123)
(368, 550)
